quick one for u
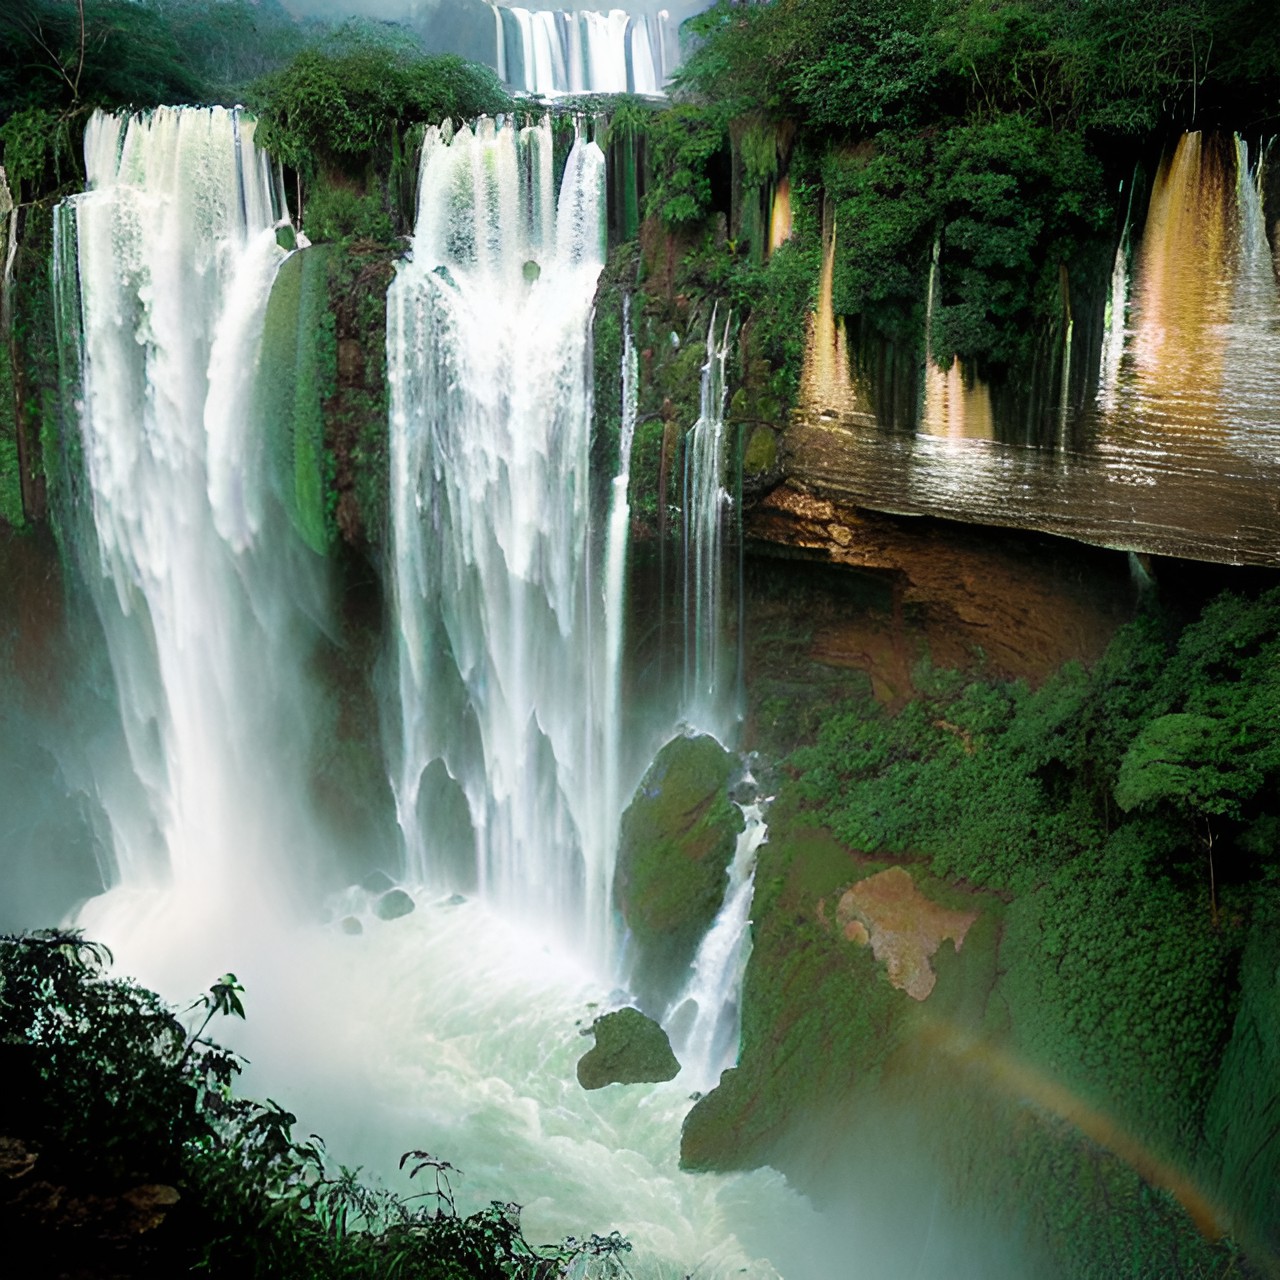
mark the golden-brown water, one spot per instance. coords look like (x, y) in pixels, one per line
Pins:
(780, 214)
(1177, 452)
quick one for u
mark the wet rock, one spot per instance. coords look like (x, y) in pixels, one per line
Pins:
(630, 1049)
(676, 841)
(351, 925)
(393, 905)
(531, 270)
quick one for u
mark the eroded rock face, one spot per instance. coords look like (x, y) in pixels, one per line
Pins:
(1020, 604)
(677, 839)
(902, 927)
(630, 1049)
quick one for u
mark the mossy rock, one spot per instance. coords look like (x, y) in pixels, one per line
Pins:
(677, 840)
(760, 456)
(630, 1049)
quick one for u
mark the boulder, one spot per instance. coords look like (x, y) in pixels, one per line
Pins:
(393, 904)
(676, 842)
(630, 1049)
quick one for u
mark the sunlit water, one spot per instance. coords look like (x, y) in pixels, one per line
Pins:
(1180, 452)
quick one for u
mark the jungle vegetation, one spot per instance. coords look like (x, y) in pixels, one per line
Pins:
(1119, 825)
(1009, 136)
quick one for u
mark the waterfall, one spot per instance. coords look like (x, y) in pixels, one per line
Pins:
(503, 680)
(1115, 315)
(705, 1019)
(164, 266)
(618, 540)
(709, 679)
(780, 220)
(1201, 365)
(1251, 389)
(558, 51)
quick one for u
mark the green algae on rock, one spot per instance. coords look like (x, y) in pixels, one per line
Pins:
(630, 1049)
(676, 842)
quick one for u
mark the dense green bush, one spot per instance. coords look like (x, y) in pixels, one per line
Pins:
(339, 104)
(1001, 785)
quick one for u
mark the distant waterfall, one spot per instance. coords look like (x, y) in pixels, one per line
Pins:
(584, 51)
(163, 269)
(503, 671)
(710, 673)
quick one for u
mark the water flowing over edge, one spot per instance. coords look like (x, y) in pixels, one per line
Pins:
(551, 52)
(507, 682)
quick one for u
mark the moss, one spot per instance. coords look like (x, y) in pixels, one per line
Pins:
(356, 412)
(629, 1049)
(675, 845)
(296, 374)
(11, 511)
(760, 454)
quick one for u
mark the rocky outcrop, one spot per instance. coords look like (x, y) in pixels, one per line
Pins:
(677, 839)
(629, 1049)
(1020, 604)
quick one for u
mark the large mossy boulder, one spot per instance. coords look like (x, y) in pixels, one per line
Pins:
(677, 840)
(630, 1049)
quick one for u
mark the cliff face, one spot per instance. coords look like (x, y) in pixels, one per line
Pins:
(1018, 606)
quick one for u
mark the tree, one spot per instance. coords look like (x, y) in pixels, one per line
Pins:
(1200, 765)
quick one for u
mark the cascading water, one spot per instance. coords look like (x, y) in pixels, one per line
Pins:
(1177, 455)
(584, 51)
(618, 541)
(1115, 316)
(1251, 389)
(710, 678)
(502, 668)
(164, 266)
(705, 1020)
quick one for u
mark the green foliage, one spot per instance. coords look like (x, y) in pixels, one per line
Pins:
(683, 142)
(1016, 200)
(102, 1074)
(338, 104)
(1001, 785)
(130, 56)
(1145, 1030)
(851, 67)
(335, 212)
(36, 146)
(996, 130)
